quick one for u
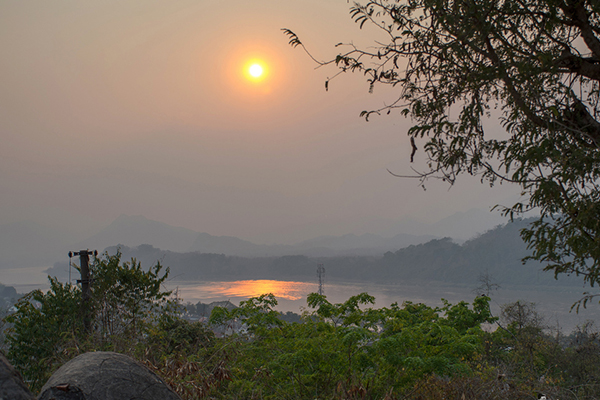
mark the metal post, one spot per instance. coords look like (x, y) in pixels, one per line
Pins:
(86, 294)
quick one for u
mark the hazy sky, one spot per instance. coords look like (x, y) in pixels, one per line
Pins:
(141, 107)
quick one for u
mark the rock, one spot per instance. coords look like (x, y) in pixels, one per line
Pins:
(105, 376)
(12, 386)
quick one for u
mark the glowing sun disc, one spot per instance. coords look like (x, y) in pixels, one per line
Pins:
(255, 70)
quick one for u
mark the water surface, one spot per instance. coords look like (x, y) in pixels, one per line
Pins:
(554, 303)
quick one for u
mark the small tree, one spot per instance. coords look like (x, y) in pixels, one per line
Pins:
(47, 328)
(41, 329)
(125, 297)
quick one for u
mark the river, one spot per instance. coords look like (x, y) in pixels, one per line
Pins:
(553, 303)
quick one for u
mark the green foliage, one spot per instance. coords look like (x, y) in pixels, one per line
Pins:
(257, 314)
(47, 328)
(185, 355)
(42, 325)
(535, 66)
(175, 335)
(580, 361)
(521, 347)
(350, 350)
(125, 297)
(499, 251)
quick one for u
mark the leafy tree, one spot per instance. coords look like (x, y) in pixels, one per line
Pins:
(41, 328)
(581, 359)
(349, 350)
(47, 328)
(256, 313)
(183, 353)
(530, 348)
(458, 64)
(125, 297)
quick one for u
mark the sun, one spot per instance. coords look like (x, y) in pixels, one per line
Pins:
(255, 70)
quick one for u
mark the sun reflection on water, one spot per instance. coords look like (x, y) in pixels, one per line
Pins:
(292, 295)
(288, 290)
(281, 289)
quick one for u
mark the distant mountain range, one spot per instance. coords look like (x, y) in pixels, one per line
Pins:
(136, 230)
(497, 252)
(460, 226)
(28, 244)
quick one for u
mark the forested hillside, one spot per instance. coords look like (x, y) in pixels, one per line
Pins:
(498, 252)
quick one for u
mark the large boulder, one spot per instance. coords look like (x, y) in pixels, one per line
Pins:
(105, 376)
(12, 386)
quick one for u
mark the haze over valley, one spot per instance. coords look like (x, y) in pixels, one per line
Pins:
(139, 125)
(316, 199)
(402, 267)
(27, 244)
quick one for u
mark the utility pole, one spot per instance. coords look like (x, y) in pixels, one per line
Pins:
(84, 269)
(321, 275)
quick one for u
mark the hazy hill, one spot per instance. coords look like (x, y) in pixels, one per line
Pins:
(460, 226)
(136, 230)
(367, 244)
(27, 244)
(133, 230)
(497, 252)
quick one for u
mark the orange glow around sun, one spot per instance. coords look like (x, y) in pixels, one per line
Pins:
(252, 78)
